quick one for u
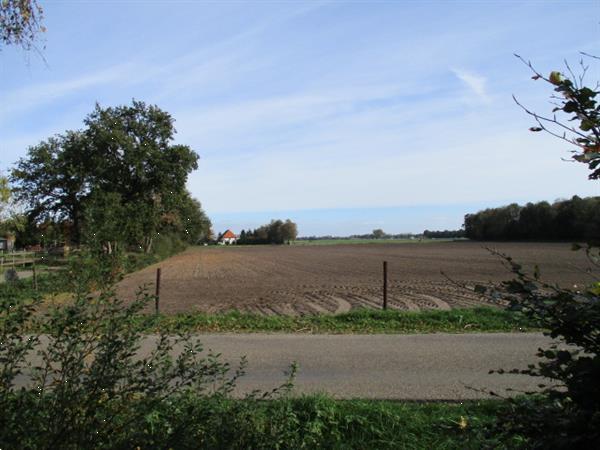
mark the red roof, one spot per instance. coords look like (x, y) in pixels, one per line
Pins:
(228, 235)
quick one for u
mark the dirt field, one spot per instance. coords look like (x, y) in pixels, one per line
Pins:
(333, 279)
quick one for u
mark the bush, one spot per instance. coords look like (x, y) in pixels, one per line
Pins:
(11, 276)
(566, 415)
(166, 245)
(88, 385)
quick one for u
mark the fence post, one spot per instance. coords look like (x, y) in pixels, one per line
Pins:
(157, 294)
(385, 285)
(34, 274)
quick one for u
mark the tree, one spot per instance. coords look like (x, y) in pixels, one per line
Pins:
(276, 232)
(378, 234)
(20, 22)
(127, 151)
(4, 197)
(54, 180)
(289, 231)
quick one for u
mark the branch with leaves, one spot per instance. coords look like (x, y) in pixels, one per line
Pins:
(581, 127)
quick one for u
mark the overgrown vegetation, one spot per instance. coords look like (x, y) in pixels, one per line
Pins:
(567, 414)
(191, 421)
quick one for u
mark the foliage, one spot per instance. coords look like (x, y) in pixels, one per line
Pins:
(119, 179)
(566, 415)
(378, 234)
(11, 276)
(191, 421)
(576, 219)
(570, 415)
(276, 232)
(4, 190)
(359, 321)
(20, 22)
(445, 234)
(91, 384)
(581, 127)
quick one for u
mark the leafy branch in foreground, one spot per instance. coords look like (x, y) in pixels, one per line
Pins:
(89, 376)
(582, 127)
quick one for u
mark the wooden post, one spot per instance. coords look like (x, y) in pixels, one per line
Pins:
(385, 285)
(34, 274)
(157, 294)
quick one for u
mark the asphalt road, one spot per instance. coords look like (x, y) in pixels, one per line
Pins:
(403, 367)
(416, 367)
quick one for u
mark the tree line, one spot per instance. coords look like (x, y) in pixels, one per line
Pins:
(120, 181)
(577, 219)
(375, 234)
(445, 234)
(275, 232)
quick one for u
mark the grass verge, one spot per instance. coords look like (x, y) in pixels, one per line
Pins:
(321, 422)
(190, 421)
(360, 321)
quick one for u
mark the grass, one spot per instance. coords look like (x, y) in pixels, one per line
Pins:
(190, 421)
(322, 422)
(368, 241)
(363, 321)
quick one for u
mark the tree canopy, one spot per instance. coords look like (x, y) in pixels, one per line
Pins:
(276, 232)
(120, 177)
(20, 22)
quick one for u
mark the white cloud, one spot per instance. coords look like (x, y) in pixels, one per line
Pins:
(29, 98)
(475, 82)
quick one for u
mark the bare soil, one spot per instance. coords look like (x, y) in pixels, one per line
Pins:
(294, 280)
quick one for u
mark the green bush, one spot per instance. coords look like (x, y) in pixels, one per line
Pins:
(83, 383)
(566, 414)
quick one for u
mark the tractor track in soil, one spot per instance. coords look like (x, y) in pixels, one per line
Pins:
(298, 280)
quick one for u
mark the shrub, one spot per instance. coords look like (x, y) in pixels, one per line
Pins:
(566, 414)
(11, 276)
(83, 382)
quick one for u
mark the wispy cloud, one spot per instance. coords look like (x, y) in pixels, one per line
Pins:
(476, 83)
(32, 97)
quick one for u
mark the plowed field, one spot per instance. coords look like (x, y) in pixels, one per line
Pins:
(332, 279)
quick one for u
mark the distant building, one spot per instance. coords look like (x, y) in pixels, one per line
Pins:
(7, 244)
(227, 238)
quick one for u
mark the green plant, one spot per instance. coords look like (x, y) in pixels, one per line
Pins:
(566, 414)
(88, 378)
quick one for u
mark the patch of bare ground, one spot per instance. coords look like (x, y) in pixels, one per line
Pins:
(297, 280)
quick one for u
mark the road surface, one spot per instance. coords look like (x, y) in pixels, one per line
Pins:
(401, 367)
(416, 367)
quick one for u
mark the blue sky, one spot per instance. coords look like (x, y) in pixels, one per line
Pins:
(343, 116)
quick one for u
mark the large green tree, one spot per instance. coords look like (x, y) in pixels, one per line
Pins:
(127, 152)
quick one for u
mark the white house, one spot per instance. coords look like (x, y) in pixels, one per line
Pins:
(228, 238)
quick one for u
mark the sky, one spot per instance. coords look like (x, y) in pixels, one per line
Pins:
(343, 116)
